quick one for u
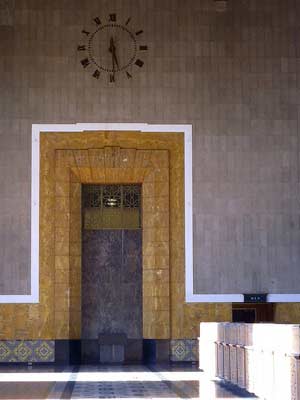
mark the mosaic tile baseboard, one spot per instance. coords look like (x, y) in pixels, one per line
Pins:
(184, 350)
(27, 351)
(39, 351)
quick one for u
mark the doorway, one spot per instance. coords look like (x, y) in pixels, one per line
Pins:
(112, 304)
(252, 313)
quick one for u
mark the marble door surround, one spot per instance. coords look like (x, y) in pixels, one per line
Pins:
(67, 160)
(111, 165)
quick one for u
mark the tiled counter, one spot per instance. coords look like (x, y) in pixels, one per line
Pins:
(262, 358)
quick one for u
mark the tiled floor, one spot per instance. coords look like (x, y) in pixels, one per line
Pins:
(113, 382)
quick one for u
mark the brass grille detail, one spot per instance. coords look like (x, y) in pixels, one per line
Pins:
(111, 206)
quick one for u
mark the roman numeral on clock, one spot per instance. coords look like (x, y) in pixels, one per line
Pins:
(85, 62)
(85, 32)
(112, 17)
(81, 47)
(143, 48)
(138, 32)
(128, 75)
(97, 21)
(139, 63)
(111, 78)
(96, 74)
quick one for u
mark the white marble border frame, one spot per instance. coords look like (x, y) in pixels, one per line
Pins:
(190, 297)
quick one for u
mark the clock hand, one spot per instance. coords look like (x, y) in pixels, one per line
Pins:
(115, 58)
(112, 50)
(114, 54)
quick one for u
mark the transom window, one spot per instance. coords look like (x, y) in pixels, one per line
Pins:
(111, 206)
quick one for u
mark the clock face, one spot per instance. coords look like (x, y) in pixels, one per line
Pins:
(111, 49)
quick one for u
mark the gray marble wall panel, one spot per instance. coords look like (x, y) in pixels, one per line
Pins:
(234, 75)
(6, 12)
(112, 283)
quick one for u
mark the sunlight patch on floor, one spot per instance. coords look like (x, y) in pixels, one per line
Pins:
(96, 376)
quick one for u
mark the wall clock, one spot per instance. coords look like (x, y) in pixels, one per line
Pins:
(111, 49)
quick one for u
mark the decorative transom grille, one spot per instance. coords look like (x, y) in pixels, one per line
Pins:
(111, 206)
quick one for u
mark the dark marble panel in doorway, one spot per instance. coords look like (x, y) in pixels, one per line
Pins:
(112, 283)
